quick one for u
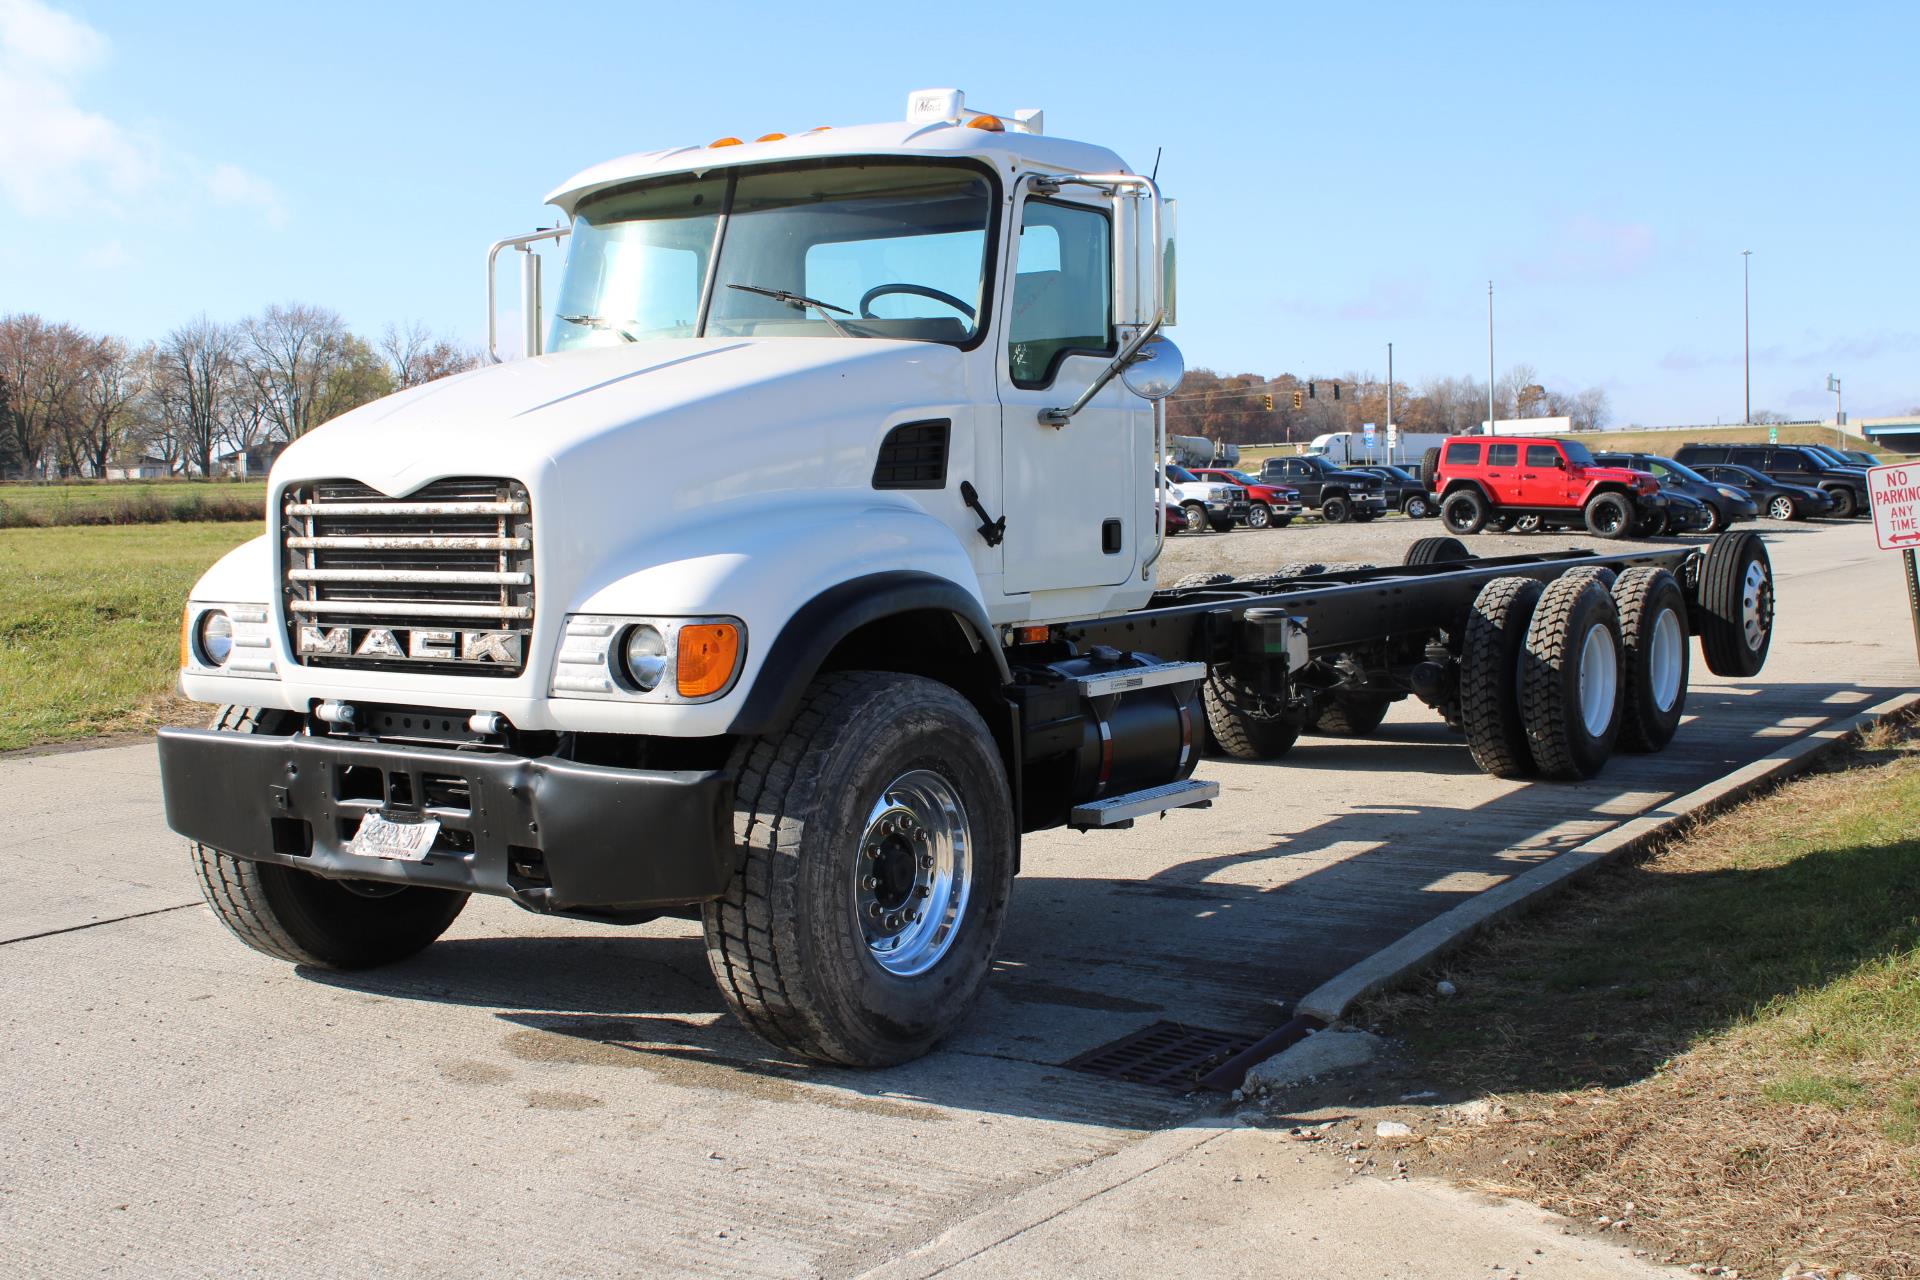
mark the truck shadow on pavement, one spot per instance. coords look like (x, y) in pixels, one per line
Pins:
(1102, 942)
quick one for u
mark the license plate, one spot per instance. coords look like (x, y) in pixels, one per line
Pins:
(380, 837)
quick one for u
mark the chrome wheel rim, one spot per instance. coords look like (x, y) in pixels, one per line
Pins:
(1527, 524)
(1196, 518)
(1781, 509)
(1417, 508)
(1599, 679)
(913, 875)
(1257, 516)
(1664, 657)
(1756, 606)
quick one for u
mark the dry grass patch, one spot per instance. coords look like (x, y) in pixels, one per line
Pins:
(1718, 1047)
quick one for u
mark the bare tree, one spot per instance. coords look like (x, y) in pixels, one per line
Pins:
(415, 354)
(42, 365)
(115, 378)
(1590, 410)
(307, 367)
(195, 377)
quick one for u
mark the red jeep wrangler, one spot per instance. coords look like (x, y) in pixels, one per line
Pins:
(1503, 480)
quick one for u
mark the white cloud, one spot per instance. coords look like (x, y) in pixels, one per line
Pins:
(229, 184)
(58, 154)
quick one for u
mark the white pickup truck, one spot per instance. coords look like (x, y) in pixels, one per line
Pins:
(498, 638)
(1208, 503)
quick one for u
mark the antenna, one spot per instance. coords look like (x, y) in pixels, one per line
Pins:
(1155, 175)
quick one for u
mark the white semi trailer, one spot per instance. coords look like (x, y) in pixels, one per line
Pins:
(497, 638)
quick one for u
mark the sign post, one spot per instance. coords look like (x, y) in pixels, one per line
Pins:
(1773, 435)
(1366, 429)
(1894, 494)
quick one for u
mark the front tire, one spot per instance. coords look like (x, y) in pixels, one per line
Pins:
(1418, 507)
(1335, 511)
(1736, 601)
(1570, 679)
(1653, 636)
(1490, 676)
(1781, 508)
(302, 918)
(1236, 727)
(1259, 516)
(1608, 515)
(876, 834)
(1196, 516)
(1350, 715)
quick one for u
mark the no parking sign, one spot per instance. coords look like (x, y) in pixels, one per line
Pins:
(1894, 493)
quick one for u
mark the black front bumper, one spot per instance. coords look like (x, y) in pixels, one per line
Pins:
(551, 834)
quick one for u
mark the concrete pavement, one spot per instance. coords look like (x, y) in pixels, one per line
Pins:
(543, 1094)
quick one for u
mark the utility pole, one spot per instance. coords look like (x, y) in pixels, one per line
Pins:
(1746, 315)
(1489, 357)
(1389, 404)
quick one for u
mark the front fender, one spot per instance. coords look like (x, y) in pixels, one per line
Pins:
(242, 576)
(787, 570)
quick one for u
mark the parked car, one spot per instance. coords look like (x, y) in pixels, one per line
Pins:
(1684, 513)
(1405, 491)
(1209, 504)
(1844, 457)
(1174, 518)
(1780, 500)
(1727, 504)
(1796, 464)
(1338, 495)
(1481, 478)
(1269, 506)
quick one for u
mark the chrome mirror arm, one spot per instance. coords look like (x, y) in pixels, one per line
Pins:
(1128, 354)
(533, 276)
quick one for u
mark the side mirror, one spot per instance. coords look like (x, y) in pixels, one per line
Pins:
(1155, 371)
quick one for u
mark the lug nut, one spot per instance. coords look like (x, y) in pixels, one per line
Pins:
(893, 922)
(923, 892)
(926, 862)
(873, 910)
(871, 882)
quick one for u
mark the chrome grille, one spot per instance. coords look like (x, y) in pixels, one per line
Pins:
(439, 580)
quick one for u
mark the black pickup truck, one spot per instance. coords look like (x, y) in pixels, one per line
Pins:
(1337, 495)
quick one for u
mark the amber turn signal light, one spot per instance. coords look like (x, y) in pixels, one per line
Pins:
(708, 652)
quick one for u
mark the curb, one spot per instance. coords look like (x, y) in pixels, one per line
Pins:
(1327, 1003)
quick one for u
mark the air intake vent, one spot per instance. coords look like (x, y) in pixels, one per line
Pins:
(914, 456)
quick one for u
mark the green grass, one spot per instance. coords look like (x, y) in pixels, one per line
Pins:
(90, 625)
(1727, 1034)
(130, 502)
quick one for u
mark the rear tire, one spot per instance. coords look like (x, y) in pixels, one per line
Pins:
(1736, 599)
(1418, 507)
(303, 918)
(1299, 569)
(1464, 512)
(1653, 637)
(1844, 507)
(1350, 715)
(1608, 515)
(1436, 551)
(1570, 679)
(794, 944)
(1490, 676)
(1335, 510)
(1237, 729)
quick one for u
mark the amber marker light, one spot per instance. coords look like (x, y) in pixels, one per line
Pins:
(990, 123)
(724, 142)
(186, 639)
(770, 137)
(1031, 635)
(708, 653)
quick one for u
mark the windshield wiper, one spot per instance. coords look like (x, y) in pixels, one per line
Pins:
(599, 322)
(800, 302)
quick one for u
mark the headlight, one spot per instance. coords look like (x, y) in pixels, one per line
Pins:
(644, 655)
(214, 637)
(1725, 492)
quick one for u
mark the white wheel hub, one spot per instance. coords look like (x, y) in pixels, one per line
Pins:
(1599, 679)
(1664, 658)
(1756, 605)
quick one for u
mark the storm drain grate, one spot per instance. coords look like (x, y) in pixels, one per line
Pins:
(1166, 1053)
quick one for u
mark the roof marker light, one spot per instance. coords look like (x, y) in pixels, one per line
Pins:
(770, 137)
(990, 123)
(724, 142)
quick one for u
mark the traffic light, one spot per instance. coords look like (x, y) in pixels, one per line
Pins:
(1299, 399)
(1310, 391)
(1336, 391)
(1269, 399)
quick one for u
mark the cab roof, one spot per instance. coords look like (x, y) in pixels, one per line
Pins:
(1016, 147)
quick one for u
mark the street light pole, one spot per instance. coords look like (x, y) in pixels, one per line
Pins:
(1389, 403)
(1746, 314)
(1490, 357)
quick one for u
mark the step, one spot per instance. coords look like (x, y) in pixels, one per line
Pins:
(1120, 811)
(1126, 679)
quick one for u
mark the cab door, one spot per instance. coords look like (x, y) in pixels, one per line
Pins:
(1078, 497)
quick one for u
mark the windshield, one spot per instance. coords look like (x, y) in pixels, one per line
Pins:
(872, 250)
(1578, 454)
(1240, 477)
(1180, 475)
(1683, 470)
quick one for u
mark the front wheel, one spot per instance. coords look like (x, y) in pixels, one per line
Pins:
(1418, 507)
(1608, 515)
(1281, 522)
(1196, 516)
(876, 836)
(1259, 516)
(1781, 508)
(1335, 511)
(1716, 519)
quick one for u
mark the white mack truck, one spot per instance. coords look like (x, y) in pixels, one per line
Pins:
(497, 639)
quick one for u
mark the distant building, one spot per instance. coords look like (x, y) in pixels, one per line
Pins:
(146, 467)
(243, 464)
(1902, 435)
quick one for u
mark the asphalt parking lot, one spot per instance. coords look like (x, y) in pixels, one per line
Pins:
(535, 1094)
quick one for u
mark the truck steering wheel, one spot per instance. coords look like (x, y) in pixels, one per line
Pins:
(918, 290)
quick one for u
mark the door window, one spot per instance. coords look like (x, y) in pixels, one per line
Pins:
(1503, 455)
(1062, 290)
(1542, 455)
(1751, 458)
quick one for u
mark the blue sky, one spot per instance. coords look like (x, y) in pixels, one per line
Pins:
(1348, 175)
